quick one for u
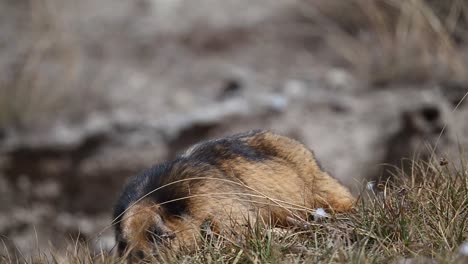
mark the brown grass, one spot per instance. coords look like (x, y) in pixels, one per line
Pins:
(46, 75)
(423, 216)
(388, 41)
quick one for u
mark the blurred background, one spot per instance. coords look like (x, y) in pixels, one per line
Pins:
(92, 92)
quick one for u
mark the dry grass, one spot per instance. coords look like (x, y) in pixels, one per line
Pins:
(388, 41)
(424, 216)
(42, 78)
(46, 73)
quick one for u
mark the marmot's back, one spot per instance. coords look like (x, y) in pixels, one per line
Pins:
(222, 182)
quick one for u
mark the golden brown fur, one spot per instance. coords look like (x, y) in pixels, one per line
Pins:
(231, 181)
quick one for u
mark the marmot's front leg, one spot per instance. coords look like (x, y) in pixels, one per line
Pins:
(331, 194)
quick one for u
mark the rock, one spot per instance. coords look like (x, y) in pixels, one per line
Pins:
(295, 89)
(340, 79)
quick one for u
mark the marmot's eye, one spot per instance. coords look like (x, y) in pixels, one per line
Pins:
(152, 237)
(121, 247)
(138, 254)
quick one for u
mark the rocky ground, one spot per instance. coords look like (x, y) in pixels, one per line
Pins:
(95, 91)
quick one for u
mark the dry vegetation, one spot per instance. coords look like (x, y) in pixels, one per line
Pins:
(43, 66)
(41, 78)
(390, 41)
(422, 216)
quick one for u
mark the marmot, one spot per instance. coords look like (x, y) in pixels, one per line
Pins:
(233, 180)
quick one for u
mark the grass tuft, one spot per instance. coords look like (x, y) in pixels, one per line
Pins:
(394, 41)
(423, 216)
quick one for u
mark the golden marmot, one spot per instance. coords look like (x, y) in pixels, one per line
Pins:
(232, 180)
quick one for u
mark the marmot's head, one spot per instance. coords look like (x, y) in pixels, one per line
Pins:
(144, 228)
